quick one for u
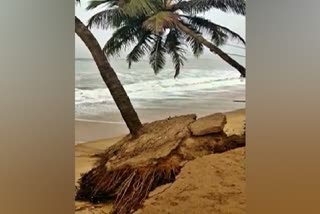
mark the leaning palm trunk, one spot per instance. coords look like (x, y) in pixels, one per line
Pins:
(213, 48)
(110, 78)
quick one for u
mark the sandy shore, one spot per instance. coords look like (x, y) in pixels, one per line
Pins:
(207, 185)
(212, 184)
(86, 130)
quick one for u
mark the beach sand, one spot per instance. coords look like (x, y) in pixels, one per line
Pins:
(95, 130)
(211, 184)
(206, 185)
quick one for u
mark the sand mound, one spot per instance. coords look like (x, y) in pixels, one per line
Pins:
(211, 184)
(130, 169)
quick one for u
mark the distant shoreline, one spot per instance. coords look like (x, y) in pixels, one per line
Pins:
(99, 121)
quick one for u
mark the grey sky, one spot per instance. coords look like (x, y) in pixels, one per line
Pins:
(234, 22)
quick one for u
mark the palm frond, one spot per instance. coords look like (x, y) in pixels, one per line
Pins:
(123, 36)
(175, 49)
(199, 6)
(231, 34)
(157, 58)
(120, 39)
(129, 7)
(140, 48)
(96, 3)
(167, 3)
(137, 7)
(219, 34)
(107, 18)
(160, 21)
(196, 46)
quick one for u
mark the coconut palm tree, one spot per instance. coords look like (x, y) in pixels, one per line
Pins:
(168, 29)
(110, 78)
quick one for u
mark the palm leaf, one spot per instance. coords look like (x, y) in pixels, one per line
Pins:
(174, 47)
(200, 6)
(107, 18)
(160, 21)
(120, 39)
(137, 7)
(123, 36)
(129, 7)
(157, 58)
(197, 47)
(140, 48)
(219, 34)
(101, 3)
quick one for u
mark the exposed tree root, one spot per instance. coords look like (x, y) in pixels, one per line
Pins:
(129, 170)
(129, 186)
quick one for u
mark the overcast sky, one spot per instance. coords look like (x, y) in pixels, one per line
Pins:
(234, 22)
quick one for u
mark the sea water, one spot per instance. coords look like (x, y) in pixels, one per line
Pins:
(204, 84)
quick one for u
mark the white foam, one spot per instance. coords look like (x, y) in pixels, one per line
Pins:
(163, 88)
(193, 88)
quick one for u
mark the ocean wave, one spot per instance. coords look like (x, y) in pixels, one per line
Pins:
(184, 88)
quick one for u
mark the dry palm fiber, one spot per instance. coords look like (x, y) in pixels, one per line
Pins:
(129, 170)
